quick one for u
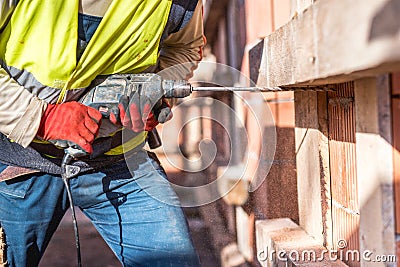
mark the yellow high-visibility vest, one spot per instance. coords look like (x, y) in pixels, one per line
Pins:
(41, 40)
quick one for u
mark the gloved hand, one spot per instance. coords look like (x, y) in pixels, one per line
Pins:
(140, 114)
(161, 113)
(70, 122)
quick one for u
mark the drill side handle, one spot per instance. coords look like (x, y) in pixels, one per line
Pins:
(153, 139)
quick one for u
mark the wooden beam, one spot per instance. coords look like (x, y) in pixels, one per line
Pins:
(333, 41)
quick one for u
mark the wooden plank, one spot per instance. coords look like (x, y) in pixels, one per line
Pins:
(333, 41)
(374, 167)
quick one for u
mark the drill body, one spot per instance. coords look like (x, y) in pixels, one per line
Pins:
(105, 96)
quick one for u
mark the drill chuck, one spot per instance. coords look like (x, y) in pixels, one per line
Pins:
(176, 88)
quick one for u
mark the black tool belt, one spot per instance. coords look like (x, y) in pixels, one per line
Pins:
(100, 146)
(47, 158)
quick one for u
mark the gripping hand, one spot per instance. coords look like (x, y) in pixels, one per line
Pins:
(70, 123)
(141, 112)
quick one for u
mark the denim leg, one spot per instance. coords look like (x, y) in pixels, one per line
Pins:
(31, 207)
(137, 213)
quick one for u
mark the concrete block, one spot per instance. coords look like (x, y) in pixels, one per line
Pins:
(281, 242)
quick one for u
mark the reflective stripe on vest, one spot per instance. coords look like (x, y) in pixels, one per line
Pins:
(40, 42)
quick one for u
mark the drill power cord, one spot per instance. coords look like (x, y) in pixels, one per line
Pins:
(66, 174)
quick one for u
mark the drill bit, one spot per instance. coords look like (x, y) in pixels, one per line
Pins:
(236, 89)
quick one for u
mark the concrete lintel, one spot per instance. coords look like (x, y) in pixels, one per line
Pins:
(332, 42)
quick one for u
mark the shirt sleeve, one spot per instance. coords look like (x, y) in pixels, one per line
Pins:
(6, 9)
(184, 49)
(20, 111)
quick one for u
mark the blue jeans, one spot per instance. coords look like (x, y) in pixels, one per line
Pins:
(137, 213)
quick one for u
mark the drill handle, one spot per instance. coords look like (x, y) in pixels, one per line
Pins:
(153, 139)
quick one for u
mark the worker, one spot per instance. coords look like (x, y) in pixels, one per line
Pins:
(51, 52)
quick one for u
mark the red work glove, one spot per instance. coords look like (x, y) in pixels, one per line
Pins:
(70, 122)
(138, 114)
(160, 114)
